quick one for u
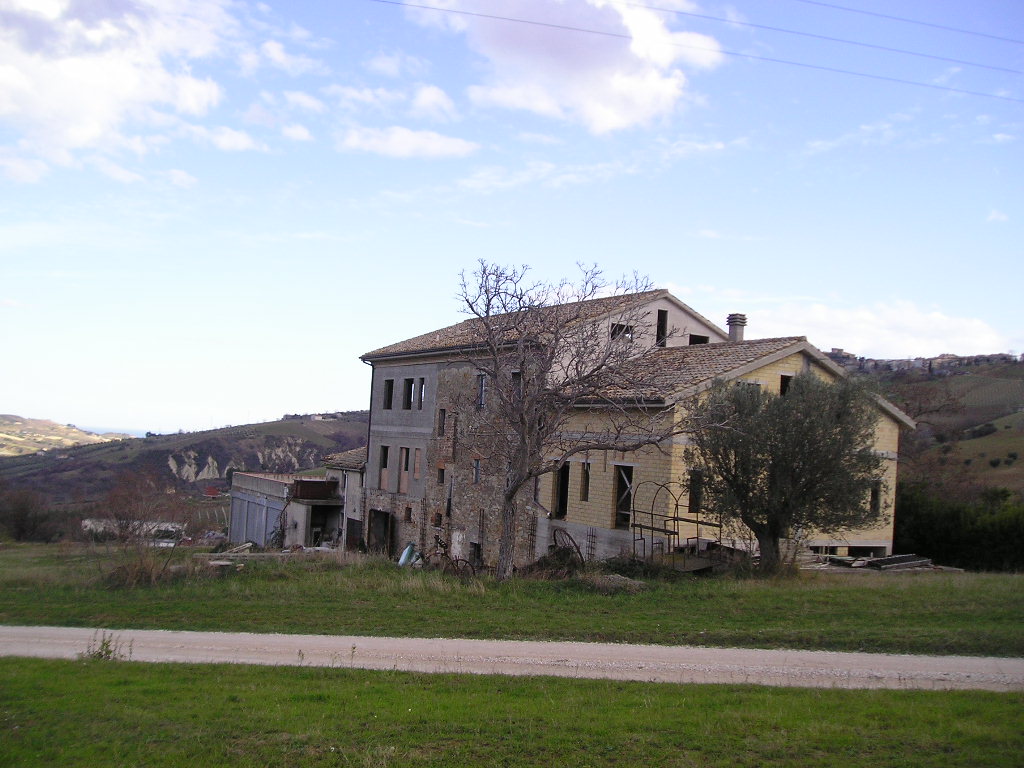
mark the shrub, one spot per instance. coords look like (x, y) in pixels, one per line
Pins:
(1012, 455)
(995, 462)
(980, 431)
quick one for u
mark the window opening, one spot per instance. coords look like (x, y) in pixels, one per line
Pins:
(622, 330)
(389, 393)
(560, 502)
(585, 481)
(696, 491)
(476, 470)
(698, 339)
(784, 382)
(440, 475)
(661, 338)
(438, 520)
(416, 464)
(408, 514)
(623, 495)
(876, 497)
(403, 470)
(442, 416)
(481, 390)
(421, 388)
(407, 395)
(382, 474)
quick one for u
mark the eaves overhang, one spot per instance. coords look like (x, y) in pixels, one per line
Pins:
(802, 346)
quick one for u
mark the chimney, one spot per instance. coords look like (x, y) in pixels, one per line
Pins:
(736, 322)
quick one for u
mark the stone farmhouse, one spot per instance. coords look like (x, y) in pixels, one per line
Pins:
(422, 479)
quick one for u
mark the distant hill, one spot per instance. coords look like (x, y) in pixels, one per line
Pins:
(970, 425)
(185, 461)
(20, 436)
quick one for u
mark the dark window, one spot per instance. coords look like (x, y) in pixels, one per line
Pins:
(389, 393)
(481, 390)
(661, 339)
(696, 491)
(876, 497)
(622, 330)
(382, 475)
(440, 475)
(408, 514)
(475, 556)
(403, 470)
(407, 395)
(585, 481)
(438, 520)
(517, 385)
(442, 416)
(561, 499)
(697, 339)
(421, 387)
(623, 495)
(784, 382)
(476, 470)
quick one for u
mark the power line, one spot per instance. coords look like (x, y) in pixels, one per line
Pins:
(961, 30)
(816, 36)
(621, 36)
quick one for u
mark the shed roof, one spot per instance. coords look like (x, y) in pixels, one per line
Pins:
(352, 459)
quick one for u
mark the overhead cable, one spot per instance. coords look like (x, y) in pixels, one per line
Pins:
(754, 57)
(816, 36)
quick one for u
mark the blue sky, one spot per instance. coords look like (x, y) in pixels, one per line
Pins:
(210, 209)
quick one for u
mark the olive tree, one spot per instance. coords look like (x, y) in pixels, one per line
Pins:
(782, 464)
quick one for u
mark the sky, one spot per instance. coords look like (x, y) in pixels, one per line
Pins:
(209, 209)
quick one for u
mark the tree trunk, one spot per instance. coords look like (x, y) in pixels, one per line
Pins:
(507, 542)
(768, 543)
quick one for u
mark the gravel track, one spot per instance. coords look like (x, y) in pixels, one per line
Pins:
(652, 663)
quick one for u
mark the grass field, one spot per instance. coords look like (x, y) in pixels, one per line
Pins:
(92, 713)
(935, 613)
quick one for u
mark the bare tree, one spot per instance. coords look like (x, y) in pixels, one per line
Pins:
(559, 373)
(786, 463)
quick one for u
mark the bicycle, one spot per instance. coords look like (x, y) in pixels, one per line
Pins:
(440, 559)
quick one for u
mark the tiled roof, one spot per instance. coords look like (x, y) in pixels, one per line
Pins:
(353, 459)
(466, 334)
(675, 370)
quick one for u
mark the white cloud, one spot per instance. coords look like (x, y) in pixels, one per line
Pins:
(224, 138)
(892, 329)
(115, 171)
(356, 98)
(22, 169)
(433, 103)
(494, 178)
(872, 134)
(397, 141)
(181, 179)
(293, 64)
(303, 100)
(539, 138)
(395, 64)
(606, 83)
(296, 132)
(997, 216)
(77, 76)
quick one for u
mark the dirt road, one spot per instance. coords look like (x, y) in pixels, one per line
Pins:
(654, 663)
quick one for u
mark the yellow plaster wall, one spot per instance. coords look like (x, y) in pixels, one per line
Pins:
(669, 468)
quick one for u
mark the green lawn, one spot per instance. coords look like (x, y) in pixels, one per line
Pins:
(939, 613)
(119, 714)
